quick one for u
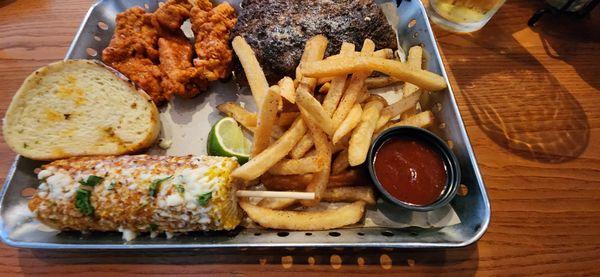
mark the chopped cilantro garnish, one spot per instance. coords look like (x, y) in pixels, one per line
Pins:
(204, 198)
(179, 188)
(156, 184)
(91, 181)
(82, 202)
(112, 185)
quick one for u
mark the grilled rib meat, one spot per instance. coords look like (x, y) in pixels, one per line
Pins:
(278, 29)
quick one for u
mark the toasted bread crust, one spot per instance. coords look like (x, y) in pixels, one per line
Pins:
(20, 102)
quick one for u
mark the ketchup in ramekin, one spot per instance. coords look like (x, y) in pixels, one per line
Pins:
(414, 168)
(411, 170)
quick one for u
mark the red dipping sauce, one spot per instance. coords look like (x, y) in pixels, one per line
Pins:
(410, 170)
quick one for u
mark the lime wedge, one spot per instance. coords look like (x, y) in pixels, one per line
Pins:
(226, 139)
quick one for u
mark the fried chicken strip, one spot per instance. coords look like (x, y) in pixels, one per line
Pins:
(212, 27)
(173, 13)
(133, 51)
(181, 77)
(152, 51)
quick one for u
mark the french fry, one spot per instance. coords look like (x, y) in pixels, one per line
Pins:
(340, 163)
(385, 53)
(341, 144)
(314, 50)
(286, 182)
(349, 123)
(380, 82)
(404, 104)
(287, 118)
(239, 114)
(324, 152)
(338, 84)
(245, 118)
(349, 194)
(362, 134)
(254, 73)
(278, 203)
(273, 154)
(266, 119)
(330, 103)
(288, 91)
(412, 111)
(324, 89)
(422, 120)
(305, 220)
(415, 61)
(305, 144)
(314, 110)
(277, 132)
(355, 88)
(421, 78)
(322, 81)
(337, 194)
(364, 95)
(309, 164)
(350, 177)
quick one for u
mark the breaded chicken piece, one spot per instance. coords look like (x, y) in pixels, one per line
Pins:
(135, 29)
(173, 13)
(212, 28)
(181, 77)
(152, 51)
(205, 5)
(145, 74)
(133, 51)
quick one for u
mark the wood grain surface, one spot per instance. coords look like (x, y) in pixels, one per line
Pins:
(530, 98)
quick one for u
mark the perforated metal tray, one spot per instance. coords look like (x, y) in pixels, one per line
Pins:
(413, 28)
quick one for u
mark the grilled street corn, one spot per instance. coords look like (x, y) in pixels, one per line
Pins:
(139, 193)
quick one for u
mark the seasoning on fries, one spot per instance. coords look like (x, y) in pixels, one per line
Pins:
(305, 220)
(256, 77)
(421, 78)
(362, 134)
(267, 116)
(343, 118)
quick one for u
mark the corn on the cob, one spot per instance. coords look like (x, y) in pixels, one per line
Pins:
(138, 193)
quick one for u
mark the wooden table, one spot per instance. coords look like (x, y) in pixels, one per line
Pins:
(530, 99)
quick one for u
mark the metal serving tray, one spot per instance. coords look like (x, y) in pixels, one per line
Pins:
(413, 28)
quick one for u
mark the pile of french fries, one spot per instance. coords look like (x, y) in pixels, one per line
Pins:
(313, 140)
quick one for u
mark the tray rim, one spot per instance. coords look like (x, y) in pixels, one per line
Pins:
(405, 245)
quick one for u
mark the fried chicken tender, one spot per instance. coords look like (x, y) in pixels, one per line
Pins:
(145, 74)
(181, 77)
(133, 51)
(212, 27)
(134, 28)
(152, 51)
(173, 13)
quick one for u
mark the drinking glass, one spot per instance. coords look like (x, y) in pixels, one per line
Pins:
(462, 16)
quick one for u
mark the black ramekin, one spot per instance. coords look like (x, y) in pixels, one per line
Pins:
(450, 161)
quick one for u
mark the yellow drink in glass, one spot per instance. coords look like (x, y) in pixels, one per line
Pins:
(462, 16)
